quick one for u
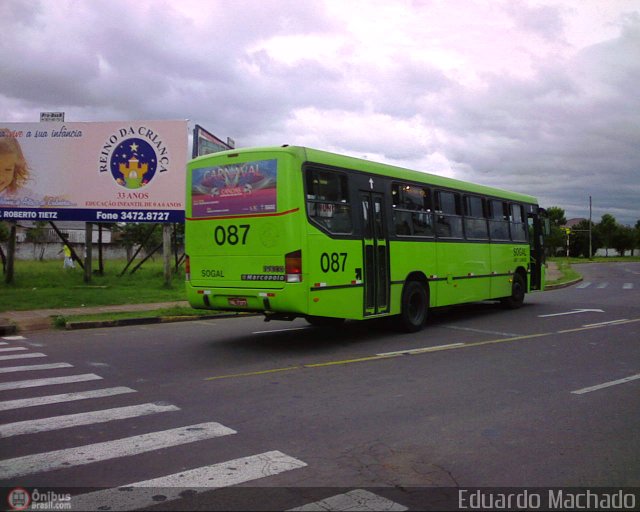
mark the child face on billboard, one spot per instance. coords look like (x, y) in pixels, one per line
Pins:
(8, 163)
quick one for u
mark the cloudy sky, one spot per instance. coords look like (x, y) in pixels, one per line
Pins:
(537, 96)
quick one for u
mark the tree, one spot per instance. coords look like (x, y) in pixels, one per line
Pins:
(139, 234)
(557, 238)
(556, 216)
(579, 240)
(623, 239)
(606, 230)
(38, 236)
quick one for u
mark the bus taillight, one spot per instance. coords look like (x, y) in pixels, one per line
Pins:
(187, 268)
(293, 266)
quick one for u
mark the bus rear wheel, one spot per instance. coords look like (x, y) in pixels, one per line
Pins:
(415, 303)
(518, 290)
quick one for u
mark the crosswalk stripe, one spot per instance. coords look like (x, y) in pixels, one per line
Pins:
(85, 418)
(356, 500)
(23, 356)
(3, 343)
(81, 455)
(28, 368)
(12, 349)
(64, 397)
(34, 383)
(605, 284)
(171, 487)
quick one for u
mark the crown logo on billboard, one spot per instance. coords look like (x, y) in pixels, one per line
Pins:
(133, 163)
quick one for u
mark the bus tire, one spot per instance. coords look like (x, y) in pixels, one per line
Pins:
(415, 305)
(325, 322)
(518, 290)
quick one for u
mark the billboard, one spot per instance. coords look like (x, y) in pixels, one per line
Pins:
(234, 189)
(129, 171)
(205, 142)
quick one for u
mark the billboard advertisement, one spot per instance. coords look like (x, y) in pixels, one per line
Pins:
(129, 171)
(235, 189)
(205, 143)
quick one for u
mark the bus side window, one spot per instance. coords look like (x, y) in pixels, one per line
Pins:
(448, 215)
(328, 200)
(518, 226)
(498, 220)
(412, 210)
(475, 222)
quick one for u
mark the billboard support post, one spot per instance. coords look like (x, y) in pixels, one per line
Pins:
(11, 252)
(166, 253)
(88, 265)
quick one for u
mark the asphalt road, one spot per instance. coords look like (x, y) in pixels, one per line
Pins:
(548, 395)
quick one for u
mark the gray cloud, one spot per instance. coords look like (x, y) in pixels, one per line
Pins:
(568, 129)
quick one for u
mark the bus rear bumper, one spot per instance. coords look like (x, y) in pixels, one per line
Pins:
(242, 299)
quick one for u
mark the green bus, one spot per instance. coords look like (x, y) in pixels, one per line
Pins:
(296, 232)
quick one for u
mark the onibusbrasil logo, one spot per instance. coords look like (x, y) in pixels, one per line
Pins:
(21, 499)
(133, 156)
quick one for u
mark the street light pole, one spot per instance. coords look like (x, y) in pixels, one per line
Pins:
(590, 249)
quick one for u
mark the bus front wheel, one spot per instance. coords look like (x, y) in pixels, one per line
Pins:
(518, 289)
(415, 303)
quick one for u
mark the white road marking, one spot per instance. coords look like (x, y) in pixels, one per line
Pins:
(28, 368)
(13, 338)
(410, 351)
(356, 501)
(627, 286)
(602, 285)
(610, 322)
(65, 397)
(34, 383)
(574, 312)
(134, 445)
(13, 349)
(584, 284)
(172, 487)
(3, 343)
(85, 418)
(606, 385)
(22, 356)
(482, 331)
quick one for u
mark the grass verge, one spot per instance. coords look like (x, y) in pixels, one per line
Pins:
(45, 284)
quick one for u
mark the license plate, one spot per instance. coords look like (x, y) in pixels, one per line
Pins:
(238, 301)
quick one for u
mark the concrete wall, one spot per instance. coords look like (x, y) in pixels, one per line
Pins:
(52, 251)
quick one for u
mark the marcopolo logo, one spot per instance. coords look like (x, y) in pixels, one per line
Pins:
(133, 156)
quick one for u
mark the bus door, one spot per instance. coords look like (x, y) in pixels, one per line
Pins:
(375, 240)
(536, 232)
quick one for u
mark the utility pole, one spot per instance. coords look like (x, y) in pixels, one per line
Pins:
(590, 249)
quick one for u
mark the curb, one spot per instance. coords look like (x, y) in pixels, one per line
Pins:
(93, 324)
(551, 287)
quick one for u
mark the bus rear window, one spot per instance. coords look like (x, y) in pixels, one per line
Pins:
(328, 200)
(234, 189)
